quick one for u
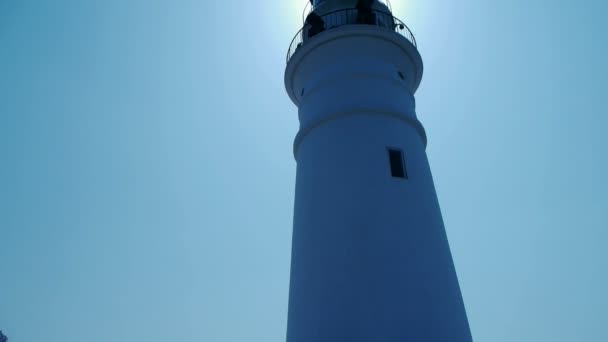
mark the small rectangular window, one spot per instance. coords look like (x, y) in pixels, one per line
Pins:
(397, 164)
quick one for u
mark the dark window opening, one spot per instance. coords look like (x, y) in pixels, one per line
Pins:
(397, 163)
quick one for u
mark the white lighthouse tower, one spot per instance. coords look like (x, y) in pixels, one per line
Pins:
(370, 256)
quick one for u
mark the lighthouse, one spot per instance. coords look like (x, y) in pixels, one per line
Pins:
(370, 257)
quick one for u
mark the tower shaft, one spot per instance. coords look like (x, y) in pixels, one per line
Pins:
(370, 256)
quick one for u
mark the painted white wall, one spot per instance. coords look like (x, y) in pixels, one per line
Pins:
(370, 257)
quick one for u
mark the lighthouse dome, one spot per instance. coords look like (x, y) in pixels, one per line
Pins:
(321, 7)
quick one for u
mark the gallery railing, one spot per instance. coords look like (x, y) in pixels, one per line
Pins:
(349, 16)
(308, 8)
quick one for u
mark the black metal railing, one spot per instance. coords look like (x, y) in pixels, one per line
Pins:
(309, 7)
(350, 16)
(306, 11)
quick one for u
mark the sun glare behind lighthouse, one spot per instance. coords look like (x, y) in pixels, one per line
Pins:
(401, 8)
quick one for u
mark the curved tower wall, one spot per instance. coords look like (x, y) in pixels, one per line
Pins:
(370, 256)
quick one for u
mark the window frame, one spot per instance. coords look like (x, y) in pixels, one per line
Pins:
(397, 164)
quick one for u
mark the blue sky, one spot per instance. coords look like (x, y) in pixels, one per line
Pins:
(146, 182)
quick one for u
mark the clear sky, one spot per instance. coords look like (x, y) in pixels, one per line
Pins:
(147, 175)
